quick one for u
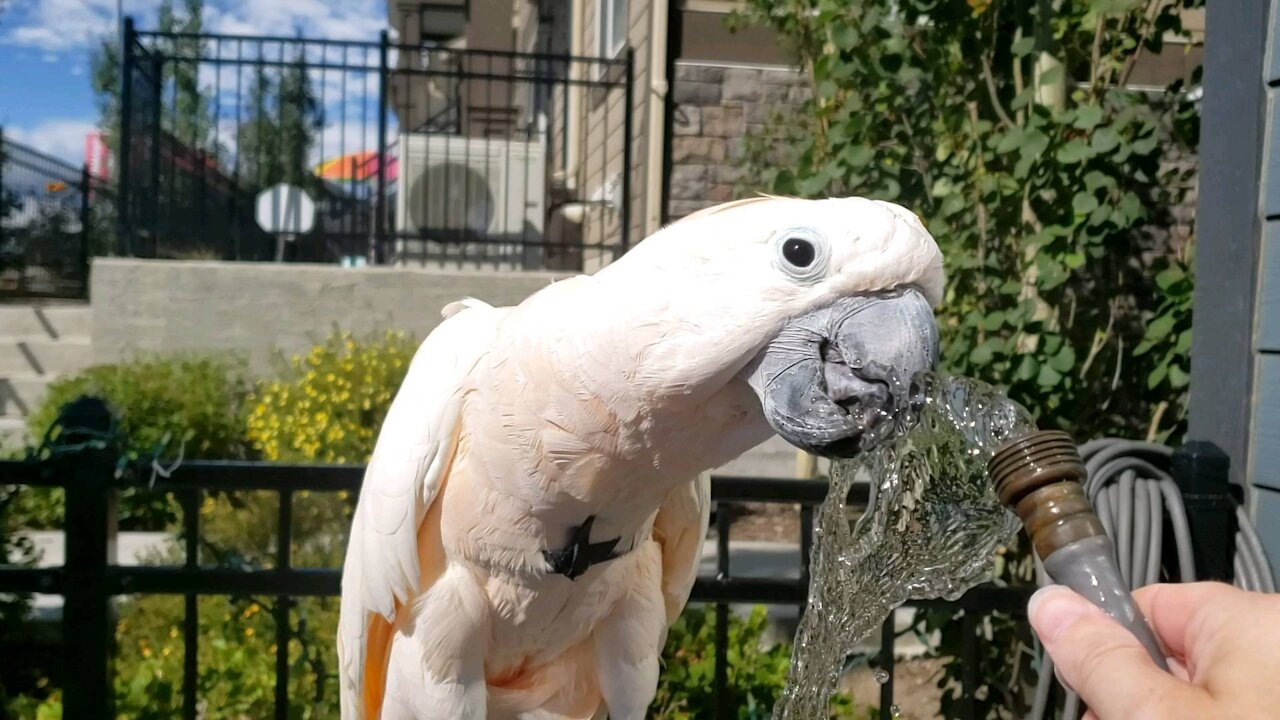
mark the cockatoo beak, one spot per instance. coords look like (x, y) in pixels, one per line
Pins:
(834, 381)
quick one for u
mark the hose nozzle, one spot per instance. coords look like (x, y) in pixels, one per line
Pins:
(1041, 478)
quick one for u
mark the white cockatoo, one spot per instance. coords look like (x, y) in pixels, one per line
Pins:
(532, 518)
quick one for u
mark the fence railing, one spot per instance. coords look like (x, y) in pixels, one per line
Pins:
(406, 154)
(90, 579)
(49, 222)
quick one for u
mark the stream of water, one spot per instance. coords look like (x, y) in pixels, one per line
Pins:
(931, 529)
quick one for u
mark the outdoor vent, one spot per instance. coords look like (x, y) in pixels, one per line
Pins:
(484, 195)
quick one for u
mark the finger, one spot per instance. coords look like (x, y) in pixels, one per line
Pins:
(1104, 662)
(1184, 616)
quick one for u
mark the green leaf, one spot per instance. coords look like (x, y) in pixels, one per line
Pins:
(1084, 203)
(1023, 98)
(1051, 76)
(1087, 117)
(1064, 360)
(1184, 342)
(1073, 152)
(1093, 180)
(982, 354)
(1167, 277)
(1048, 377)
(1052, 273)
(1010, 141)
(1159, 328)
(952, 205)
(1027, 368)
(1023, 46)
(1104, 140)
(1144, 145)
(1073, 260)
(1157, 376)
(1034, 143)
(1178, 378)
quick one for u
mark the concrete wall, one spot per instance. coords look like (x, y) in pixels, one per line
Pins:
(162, 305)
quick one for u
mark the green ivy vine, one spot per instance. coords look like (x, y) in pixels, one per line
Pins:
(1050, 185)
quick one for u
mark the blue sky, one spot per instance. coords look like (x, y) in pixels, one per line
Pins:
(45, 98)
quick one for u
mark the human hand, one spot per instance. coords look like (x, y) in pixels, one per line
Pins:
(1223, 646)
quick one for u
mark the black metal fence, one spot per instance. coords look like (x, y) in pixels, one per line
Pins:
(48, 223)
(91, 579)
(395, 153)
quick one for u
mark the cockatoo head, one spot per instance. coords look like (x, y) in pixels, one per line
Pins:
(823, 307)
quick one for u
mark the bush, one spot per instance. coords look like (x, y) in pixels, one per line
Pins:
(191, 405)
(328, 405)
(756, 675)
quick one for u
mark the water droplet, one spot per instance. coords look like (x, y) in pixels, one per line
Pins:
(882, 676)
(895, 711)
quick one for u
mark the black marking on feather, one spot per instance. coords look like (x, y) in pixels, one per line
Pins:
(580, 554)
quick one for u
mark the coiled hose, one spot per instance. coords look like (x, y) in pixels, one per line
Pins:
(1133, 492)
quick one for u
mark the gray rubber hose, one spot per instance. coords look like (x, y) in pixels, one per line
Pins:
(1133, 493)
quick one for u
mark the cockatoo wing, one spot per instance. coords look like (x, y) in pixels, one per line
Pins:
(385, 564)
(680, 528)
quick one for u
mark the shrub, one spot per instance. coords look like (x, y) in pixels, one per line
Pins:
(756, 675)
(190, 404)
(328, 405)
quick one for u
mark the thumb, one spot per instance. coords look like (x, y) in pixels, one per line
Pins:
(1104, 663)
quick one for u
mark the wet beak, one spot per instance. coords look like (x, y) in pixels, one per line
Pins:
(833, 381)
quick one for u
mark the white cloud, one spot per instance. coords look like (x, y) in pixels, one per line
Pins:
(331, 19)
(61, 138)
(56, 26)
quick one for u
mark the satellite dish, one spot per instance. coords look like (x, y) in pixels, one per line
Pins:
(286, 209)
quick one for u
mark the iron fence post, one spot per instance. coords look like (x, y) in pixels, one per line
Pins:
(380, 207)
(626, 152)
(85, 236)
(125, 140)
(88, 627)
(720, 686)
(1202, 472)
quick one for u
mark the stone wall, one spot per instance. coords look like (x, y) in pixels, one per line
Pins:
(257, 308)
(717, 106)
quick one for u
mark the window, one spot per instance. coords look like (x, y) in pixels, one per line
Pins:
(611, 31)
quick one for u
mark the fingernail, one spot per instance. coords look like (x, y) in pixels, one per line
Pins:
(1053, 609)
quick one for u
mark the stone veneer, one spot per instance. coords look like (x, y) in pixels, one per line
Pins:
(716, 107)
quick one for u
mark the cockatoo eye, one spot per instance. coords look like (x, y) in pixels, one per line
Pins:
(802, 254)
(799, 252)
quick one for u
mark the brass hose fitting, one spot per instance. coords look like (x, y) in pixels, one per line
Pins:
(1041, 478)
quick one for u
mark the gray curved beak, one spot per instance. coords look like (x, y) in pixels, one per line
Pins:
(834, 381)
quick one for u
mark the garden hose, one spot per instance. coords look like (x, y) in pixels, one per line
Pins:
(1133, 492)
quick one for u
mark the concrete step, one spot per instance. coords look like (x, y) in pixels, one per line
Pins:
(52, 321)
(774, 458)
(20, 394)
(42, 356)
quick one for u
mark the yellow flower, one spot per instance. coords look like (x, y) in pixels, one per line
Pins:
(248, 632)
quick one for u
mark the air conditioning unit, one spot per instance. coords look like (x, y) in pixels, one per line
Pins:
(470, 197)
